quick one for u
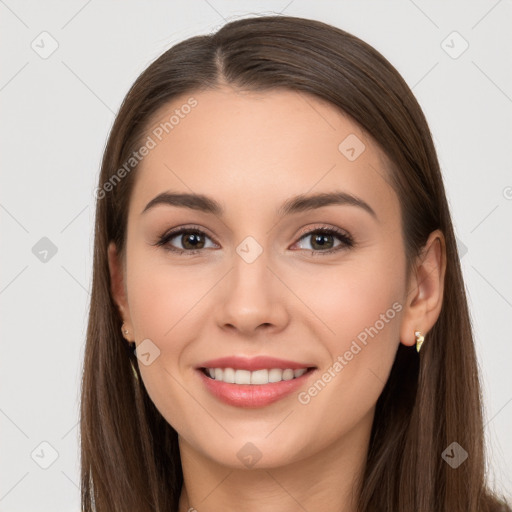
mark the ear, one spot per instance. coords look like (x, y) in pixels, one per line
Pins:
(117, 285)
(424, 297)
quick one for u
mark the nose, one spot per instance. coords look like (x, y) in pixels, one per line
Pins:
(252, 299)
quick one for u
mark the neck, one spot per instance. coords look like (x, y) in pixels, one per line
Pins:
(329, 480)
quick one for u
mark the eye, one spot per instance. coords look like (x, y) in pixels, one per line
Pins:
(191, 238)
(323, 239)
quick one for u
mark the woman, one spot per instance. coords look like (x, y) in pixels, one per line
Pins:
(278, 318)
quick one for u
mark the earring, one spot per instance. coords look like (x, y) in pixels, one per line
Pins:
(134, 371)
(125, 331)
(419, 339)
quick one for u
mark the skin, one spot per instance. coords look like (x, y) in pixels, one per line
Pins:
(251, 152)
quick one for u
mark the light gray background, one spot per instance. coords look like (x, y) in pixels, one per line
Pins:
(56, 114)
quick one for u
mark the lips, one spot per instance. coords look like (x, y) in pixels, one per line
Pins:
(254, 363)
(254, 395)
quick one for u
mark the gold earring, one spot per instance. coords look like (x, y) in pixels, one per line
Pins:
(132, 346)
(134, 371)
(419, 339)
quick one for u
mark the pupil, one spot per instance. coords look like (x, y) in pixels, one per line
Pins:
(320, 239)
(192, 238)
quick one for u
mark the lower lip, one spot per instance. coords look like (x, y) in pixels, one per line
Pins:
(253, 395)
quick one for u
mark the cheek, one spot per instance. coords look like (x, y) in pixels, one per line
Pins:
(350, 297)
(163, 304)
(357, 308)
(360, 317)
(163, 297)
(167, 306)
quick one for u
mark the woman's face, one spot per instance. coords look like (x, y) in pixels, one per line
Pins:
(263, 280)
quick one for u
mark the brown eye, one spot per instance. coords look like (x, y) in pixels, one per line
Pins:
(322, 240)
(192, 241)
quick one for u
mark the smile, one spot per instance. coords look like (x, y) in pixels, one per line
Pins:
(258, 377)
(253, 389)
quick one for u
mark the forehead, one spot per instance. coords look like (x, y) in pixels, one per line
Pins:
(258, 148)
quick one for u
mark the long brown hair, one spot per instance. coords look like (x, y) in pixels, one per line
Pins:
(130, 456)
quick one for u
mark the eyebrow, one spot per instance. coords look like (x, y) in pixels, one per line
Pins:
(292, 205)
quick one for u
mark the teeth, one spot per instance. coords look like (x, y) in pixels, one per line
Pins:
(259, 377)
(241, 376)
(256, 377)
(228, 375)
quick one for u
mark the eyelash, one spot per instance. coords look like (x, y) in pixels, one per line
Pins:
(345, 238)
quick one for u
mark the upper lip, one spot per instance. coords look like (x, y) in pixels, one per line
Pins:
(253, 363)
